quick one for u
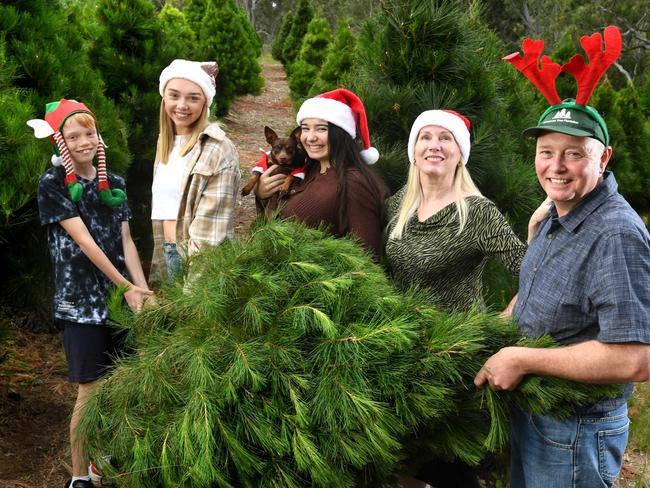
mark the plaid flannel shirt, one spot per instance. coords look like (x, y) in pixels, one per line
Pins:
(209, 193)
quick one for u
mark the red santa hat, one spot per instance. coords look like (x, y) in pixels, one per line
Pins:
(344, 109)
(454, 122)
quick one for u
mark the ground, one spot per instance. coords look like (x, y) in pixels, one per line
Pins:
(35, 397)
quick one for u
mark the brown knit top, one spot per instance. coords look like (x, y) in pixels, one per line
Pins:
(314, 202)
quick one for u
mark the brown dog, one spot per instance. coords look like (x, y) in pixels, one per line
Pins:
(286, 153)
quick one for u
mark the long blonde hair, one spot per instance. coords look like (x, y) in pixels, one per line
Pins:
(463, 186)
(166, 137)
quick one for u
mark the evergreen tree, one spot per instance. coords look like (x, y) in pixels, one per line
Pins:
(21, 163)
(179, 40)
(312, 54)
(629, 130)
(194, 11)
(288, 360)
(280, 38)
(293, 42)
(249, 30)
(127, 51)
(222, 38)
(338, 61)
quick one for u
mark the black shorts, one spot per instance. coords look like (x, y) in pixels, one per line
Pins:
(90, 349)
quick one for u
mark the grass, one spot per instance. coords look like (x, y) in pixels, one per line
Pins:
(640, 417)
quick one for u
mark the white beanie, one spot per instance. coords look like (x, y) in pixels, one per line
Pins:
(344, 109)
(203, 73)
(454, 122)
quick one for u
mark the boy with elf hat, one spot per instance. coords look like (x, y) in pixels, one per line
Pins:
(584, 281)
(85, 210)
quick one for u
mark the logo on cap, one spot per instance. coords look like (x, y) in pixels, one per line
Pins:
(563, 114)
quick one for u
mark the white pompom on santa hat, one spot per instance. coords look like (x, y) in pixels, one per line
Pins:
(344, 109)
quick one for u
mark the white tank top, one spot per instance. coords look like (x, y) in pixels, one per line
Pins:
(166, 185)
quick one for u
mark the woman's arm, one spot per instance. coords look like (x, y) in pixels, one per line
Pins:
(132, 258)
(269, 183)
(365, 213)
(540, 214)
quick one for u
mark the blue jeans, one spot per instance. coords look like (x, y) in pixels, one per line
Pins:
(173, 261)
(581, 451)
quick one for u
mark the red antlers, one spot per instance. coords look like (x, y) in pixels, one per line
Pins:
(587, 76)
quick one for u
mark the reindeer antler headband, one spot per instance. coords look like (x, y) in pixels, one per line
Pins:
(543, 73)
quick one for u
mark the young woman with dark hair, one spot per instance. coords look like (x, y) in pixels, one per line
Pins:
(339, 190)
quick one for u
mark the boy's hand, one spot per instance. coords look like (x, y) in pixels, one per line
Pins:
(136, 296)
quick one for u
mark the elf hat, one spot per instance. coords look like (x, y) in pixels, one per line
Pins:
(344, 109)
(56, 115)
(454, 122)
(203, 73)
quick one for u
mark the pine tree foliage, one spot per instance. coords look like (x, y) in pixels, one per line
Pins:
(127, 51)
(249, 30)
(44, 58)
(293, 42)
(179, 40)
(287, 360)
(628, 122)
(338, 60)
(312, 55)
(223, 38)
(414, 56)
(19, 180)
(278, 42)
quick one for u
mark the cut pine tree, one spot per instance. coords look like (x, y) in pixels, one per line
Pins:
(286, 359)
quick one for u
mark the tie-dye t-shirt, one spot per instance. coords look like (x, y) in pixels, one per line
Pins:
(80, 288)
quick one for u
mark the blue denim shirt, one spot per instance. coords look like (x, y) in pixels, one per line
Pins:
(586, 275)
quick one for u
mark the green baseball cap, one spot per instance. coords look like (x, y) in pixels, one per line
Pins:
(572, 119)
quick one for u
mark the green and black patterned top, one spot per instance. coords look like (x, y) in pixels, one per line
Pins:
(431, 255)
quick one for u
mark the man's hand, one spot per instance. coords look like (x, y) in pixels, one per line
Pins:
(504, 370)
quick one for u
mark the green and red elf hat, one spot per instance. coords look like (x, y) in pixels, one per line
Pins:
(56, 114)
(571, 116)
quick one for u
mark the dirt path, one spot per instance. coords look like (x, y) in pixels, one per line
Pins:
(34, 420)
(245, 126)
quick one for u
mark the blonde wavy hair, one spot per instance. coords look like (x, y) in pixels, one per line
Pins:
(166, 136)
(463, 186)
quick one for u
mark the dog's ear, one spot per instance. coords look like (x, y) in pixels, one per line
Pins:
(270, 135)
(295, 133)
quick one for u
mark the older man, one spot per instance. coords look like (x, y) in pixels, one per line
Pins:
(585, 280)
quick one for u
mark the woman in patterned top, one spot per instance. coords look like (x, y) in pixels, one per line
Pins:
(196, 174)
(441, 233)
(441, 230)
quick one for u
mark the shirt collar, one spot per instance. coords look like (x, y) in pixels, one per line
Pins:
(588, 204)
